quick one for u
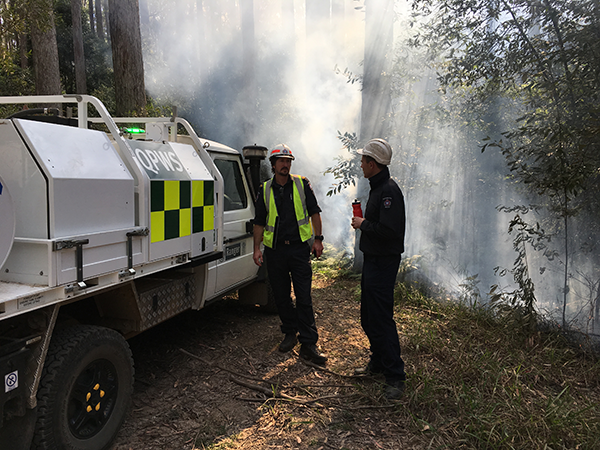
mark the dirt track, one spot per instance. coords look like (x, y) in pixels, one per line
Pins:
(182, 403)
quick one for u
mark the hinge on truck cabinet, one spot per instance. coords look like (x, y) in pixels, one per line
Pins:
(130, 235)
(78, 245)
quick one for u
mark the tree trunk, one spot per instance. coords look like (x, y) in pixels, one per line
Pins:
(318, 28)
(250, 90)
(317, 13)
(201, 49)
(80, 81)
(314, 63)
(107, 21)
(99, 21)
(44, 48)
(337, 8)
(91, 12)
(128, 65)
(376, 98)
(288, 24)
(23, 51)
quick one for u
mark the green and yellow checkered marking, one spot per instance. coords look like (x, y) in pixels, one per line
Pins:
(180, 208)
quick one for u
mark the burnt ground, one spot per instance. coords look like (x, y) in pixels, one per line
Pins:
(217, 400)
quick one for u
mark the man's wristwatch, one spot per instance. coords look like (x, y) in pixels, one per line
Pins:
(319, 237)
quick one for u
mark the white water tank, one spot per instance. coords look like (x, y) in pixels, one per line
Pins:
(7, 222)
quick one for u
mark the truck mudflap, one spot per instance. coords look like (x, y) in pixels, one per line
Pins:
(17, 423)
(14, 356)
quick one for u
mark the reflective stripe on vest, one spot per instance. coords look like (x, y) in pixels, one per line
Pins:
(302, 217)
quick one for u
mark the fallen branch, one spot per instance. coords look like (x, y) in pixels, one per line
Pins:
(324, 369)
(263, 390)
(274, 395)
(356, 408)
(211, 364)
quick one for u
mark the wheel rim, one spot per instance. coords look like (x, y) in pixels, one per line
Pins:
(92, 399)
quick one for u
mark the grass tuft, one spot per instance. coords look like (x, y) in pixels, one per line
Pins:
(478, 380)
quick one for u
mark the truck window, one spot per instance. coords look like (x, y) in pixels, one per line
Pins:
(235, 193)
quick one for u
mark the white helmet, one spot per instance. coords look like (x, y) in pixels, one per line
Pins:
(281, 151)
(379, 150)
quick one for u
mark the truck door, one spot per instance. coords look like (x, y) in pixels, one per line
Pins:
(236, 266)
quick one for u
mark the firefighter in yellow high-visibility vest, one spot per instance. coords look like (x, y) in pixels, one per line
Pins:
(286, 208)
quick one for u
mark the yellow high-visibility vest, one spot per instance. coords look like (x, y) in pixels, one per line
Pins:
(302, 217)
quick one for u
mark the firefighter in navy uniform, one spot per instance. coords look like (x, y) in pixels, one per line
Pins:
(382, 243)
(285, 207)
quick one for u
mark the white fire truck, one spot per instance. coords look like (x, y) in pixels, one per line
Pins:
(108, 226)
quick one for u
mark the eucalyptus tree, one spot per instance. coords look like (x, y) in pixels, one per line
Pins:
(542, 59)
(99, 19)
(78, 53)
(128, 65)
(376, 99)
(91, 16)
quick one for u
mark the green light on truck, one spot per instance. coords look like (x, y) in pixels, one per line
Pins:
(134, 130)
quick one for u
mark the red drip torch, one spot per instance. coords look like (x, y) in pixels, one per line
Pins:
(356, 209)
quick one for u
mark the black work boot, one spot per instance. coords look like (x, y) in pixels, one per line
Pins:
(310, 352)
(369, 369)
(289, 342)
(394, 389)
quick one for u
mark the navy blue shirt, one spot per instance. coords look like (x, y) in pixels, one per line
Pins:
(385, 218)
(286, 226)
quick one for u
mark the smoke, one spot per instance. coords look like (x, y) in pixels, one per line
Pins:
(297, 90)
(194, 59)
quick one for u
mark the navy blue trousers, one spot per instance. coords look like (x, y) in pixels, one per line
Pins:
(288, 264)
(377, 314)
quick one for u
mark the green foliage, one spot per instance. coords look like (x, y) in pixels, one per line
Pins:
(347, 169)
(334, 263)
(539, 64)
(542, 58)
(14, 80)
(521, 301)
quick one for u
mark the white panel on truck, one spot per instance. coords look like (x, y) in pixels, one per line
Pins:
(7, 222)
(27, 184)
(89, 188)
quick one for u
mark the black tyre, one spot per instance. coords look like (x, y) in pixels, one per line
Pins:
(85, 390)
(259, 293)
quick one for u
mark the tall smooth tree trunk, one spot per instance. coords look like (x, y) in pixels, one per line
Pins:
(91, 13)
(376, 94)
(201, 47)
(288, 22)
(23, 51)
(337, 8)
(318, 28)
(317, 13)
(106, 18)
(128, 65)
(376, 99)
(99, 21)
(80, 78)
(44, 48)
(250, 90)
